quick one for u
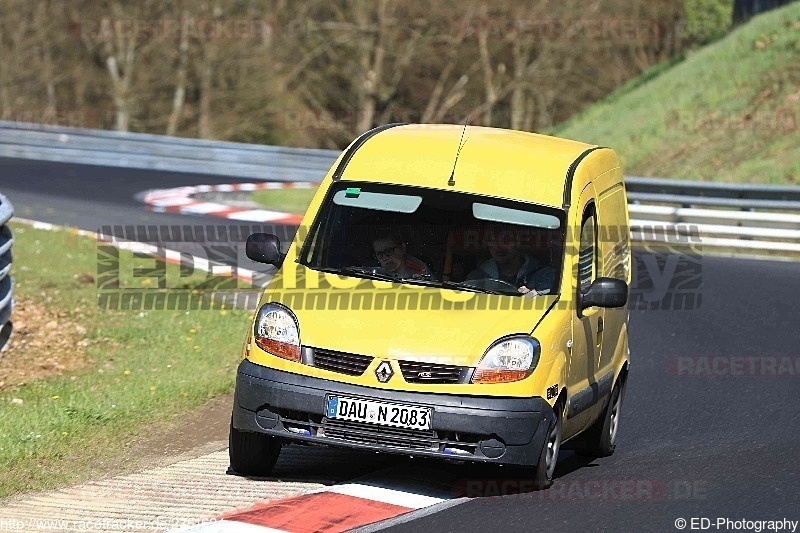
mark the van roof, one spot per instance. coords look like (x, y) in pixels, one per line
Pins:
(493, 162)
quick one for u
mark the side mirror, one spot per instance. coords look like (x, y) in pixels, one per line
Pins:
(264, 248)
(604, 292)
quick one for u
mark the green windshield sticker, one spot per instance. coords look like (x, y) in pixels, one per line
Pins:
(352, 192)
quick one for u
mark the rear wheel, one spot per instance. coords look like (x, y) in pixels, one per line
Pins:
(252, 454)
(601, 439)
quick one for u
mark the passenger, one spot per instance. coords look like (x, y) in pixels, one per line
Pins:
(508, 263)
(390, 251)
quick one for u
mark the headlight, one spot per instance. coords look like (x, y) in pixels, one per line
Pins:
(276, 332)
(508, 360)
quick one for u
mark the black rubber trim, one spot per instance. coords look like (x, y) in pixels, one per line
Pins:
(589, 396)
(571, 174)
(348, 155)
(265, 398)
(546, 313)
(615, 186)
(589, 210)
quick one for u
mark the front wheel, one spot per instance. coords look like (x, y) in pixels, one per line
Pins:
(252, 454)
(543, 471)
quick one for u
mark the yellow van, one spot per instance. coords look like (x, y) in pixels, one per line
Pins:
(457, 292)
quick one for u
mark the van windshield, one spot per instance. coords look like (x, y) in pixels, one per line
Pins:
(439, 238)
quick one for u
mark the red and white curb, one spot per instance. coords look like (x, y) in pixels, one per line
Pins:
(170, 256)
(331, 510)
(181, 200)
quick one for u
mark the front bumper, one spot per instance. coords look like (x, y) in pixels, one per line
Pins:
(472, 428)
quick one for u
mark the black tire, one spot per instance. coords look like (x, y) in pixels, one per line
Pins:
(600, 440)
(252, 454)
(542, 473)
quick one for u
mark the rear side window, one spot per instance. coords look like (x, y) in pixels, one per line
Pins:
(587, 253)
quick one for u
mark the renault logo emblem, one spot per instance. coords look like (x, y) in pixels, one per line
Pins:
(384, 371)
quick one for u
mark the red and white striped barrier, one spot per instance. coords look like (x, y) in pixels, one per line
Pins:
(180, 200)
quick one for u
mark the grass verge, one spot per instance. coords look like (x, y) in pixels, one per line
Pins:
(129, 370)
(727, 112)
(285, 200)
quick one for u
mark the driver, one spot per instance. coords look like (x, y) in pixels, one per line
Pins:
(508, 263)
(390, 251)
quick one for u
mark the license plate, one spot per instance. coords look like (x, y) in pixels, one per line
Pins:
(374, 412)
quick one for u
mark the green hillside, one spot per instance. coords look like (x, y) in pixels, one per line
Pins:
(728, 112)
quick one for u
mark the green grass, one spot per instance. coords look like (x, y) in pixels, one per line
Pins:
(727, 112)
(285, 200)
(143, 370)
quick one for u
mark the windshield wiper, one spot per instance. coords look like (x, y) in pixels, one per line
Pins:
(463, 286)
(371, 273)
(366, 272)
(453, 285)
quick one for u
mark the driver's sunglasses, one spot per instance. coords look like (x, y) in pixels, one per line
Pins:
(380, 254)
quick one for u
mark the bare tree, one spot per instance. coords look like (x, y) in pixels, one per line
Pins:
(5, 100)
(41, 24)
(440, 103)
(180, 77)
(342, 67)
(16, 53)
(116, 46)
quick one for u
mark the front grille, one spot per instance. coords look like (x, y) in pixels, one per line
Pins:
(419, 372)
(344, 363)
(361, 433)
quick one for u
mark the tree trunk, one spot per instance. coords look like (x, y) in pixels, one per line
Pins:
(433, 109)
(206, 78)
(48, 74)
(372, 57)
(520, 57)
(119, 86)
(527, 122)
(180, 84)
(119, 63)
(544, 105)
(488, 73)
(5, 101)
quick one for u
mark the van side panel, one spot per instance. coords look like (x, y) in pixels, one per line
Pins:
(614, 237)
(614, 243)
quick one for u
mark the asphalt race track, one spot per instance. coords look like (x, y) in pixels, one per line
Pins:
(710, 424)
(692, 443)
(88, 197)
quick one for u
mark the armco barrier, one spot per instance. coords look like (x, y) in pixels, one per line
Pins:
(6, 284)
(730, 219)
(756, 220)
(160, 152)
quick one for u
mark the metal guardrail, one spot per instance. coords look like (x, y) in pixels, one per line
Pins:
(718, 217)
(160, 152)
(722, 218)
(6, 283)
